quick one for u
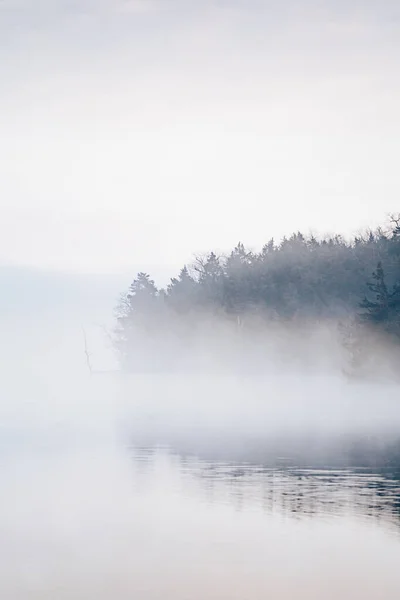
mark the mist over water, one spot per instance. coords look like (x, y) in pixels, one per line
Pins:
(244, 452)
(221, 483)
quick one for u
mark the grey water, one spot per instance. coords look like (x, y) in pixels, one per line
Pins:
(98, 501)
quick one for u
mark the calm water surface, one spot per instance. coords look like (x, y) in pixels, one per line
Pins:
(103, 521)
(85, 515)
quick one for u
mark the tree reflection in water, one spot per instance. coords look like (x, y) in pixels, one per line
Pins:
(284, 491)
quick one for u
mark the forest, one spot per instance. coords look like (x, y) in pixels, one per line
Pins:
(301, 283)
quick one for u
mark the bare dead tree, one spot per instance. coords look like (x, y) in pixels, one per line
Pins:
(196, 268)
(395, 223)
(87, 354)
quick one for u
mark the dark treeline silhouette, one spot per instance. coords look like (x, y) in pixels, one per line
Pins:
(299, 282)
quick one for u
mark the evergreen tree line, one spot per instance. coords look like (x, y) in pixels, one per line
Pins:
(301, 279)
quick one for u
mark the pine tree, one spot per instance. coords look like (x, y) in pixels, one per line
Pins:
(137, 312)
(211, 280)
(384, 310)
(239, 289)
(377, 311)
(182, 292)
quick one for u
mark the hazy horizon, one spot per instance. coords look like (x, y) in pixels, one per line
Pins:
(144, 131)
(235, 434)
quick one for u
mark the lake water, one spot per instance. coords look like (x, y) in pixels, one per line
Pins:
(94, 505)
(103, 520)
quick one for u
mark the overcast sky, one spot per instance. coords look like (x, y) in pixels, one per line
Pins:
(138, 132)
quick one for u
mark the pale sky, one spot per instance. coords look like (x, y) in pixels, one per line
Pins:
(139, 132)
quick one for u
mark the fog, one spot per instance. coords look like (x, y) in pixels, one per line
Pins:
(88, 510)
(212, 394)
(224, 464)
